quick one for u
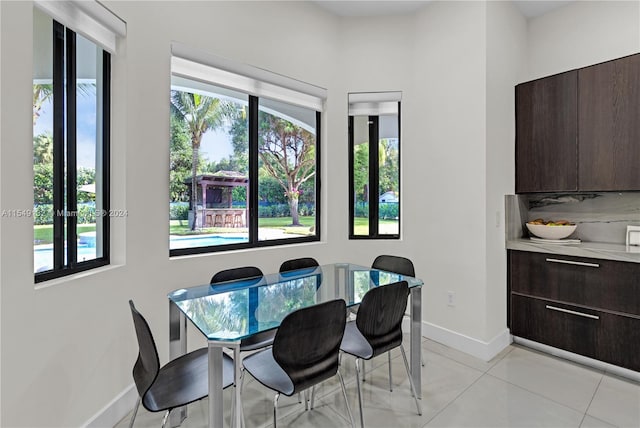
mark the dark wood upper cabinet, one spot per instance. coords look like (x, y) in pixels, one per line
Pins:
(609, 125)
(546, 134)
(580, 130)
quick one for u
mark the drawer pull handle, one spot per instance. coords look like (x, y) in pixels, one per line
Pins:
(570, 262)
(568, 311)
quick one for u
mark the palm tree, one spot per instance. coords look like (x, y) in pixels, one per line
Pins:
(43, 148)
(42, 92)
(201, 114)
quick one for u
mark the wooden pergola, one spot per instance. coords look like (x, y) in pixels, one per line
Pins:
(215, 201)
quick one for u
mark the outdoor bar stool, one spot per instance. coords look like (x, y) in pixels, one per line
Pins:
(228, 220)
(237, 220)
(218, 221)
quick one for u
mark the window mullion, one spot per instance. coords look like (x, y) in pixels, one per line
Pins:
(72, 203)
(106, 156)
(58, 145)
(252, 198)
(374, 176)
(352, 210)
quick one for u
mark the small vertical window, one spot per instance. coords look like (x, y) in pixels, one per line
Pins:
(374, 159)
(71, 86)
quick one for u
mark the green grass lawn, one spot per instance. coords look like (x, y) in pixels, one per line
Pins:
(181, 227)
(361, 226)
(43, 234)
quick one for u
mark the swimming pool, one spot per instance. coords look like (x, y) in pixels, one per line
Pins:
(43, 255)
(177, 242)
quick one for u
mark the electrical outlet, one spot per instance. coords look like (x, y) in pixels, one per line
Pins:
(451, 298)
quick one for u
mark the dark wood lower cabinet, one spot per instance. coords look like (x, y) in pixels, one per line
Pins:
(577, 307)
(531, 319)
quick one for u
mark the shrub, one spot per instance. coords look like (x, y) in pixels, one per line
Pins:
(86, 214)
(388, 210)
(43, 214)
(179, 211)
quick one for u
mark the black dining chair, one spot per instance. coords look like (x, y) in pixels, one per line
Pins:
(402, 266)
(177, 383)
(396, 264)
(378, 329)
(259, 340)
(305, 352)
(296, 264)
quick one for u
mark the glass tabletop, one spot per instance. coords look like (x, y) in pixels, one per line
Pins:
(235, 310)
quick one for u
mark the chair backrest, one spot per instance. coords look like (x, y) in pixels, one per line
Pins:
(397, 264)
(147, 366)
(307, 343)
(245, 272)
(295, 264)
(380, 315)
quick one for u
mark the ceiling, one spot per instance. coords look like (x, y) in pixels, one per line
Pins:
(354, 8)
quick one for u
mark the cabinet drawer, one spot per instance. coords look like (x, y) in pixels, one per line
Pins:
(601, 284)
(534, 319)
(611, 338)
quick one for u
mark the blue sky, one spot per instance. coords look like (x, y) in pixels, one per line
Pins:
(86, 129)
(215, 144)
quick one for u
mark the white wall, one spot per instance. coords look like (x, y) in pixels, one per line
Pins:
(446, 163)
(68, 349)
(506, 61)
(582, 33)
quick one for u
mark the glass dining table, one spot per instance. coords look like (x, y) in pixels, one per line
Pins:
(231, 311)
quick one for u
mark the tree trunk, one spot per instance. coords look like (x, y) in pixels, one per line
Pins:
(293, 207)
(194, 187)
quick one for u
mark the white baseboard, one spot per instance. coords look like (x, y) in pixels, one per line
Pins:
(600, 365)
(114, 411)
(477, 348)
(469, 345)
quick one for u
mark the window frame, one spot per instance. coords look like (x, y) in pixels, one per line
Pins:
(65, 113)
(374, 179)
(253, 173)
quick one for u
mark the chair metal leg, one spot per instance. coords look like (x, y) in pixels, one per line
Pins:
(275, 410)
(306, 399)
(299, 398)
(135, 412)
(166, 417)
(413, 388)
(313, 395)
(363, 370)
(390, 377)
(346, 400)
(359, 392)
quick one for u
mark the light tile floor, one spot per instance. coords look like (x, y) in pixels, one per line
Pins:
(518, 388)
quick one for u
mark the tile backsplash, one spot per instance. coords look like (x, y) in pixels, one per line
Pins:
(601, 217)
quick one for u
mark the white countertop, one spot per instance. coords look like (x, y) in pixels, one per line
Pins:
(595, 250)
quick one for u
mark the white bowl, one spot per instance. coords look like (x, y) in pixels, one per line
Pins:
(551, 232)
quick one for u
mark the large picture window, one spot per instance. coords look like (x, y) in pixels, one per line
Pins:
(243, 168)
(71, 86)
(374, 159)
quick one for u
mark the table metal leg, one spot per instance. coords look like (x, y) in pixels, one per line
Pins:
(416, 338)
(238, 413)
(216, 414)
(177, 347)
